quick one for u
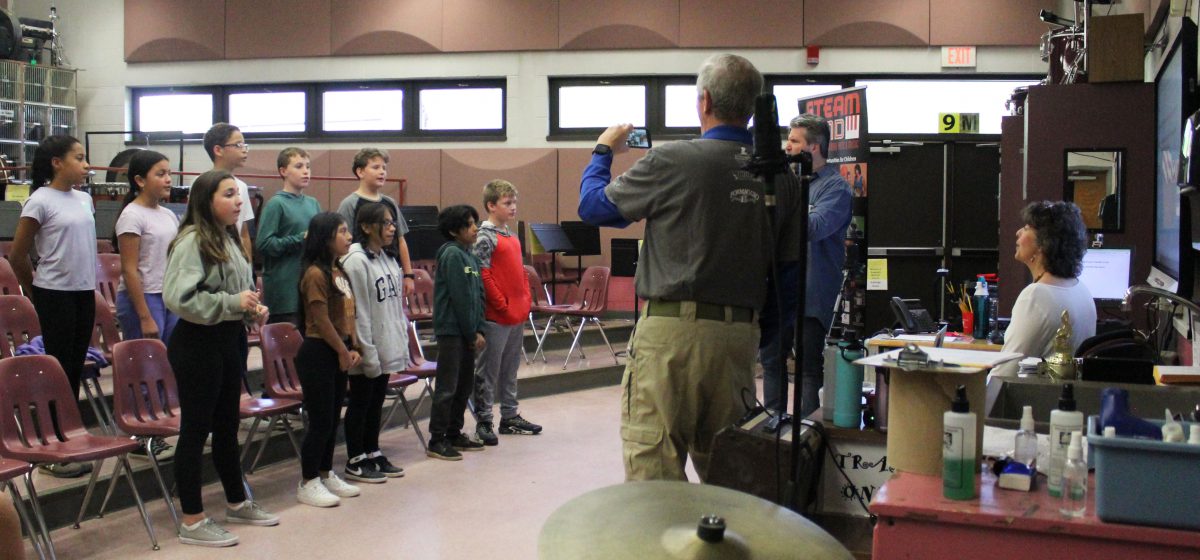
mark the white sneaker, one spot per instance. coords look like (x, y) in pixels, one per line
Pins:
(314, 493)
(339, 487)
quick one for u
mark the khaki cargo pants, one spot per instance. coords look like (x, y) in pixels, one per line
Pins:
(683, 384)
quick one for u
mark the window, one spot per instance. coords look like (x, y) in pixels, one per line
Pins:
(461, 108)
(360, 110)
(268, 111)
(912, 106)
(601, 106)
(394, 110)
(679, 106)
(191, 113)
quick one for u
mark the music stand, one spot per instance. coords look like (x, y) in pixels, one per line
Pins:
(586, 240)
(553, 240)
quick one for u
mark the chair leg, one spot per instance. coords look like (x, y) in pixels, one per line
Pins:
(291, 434)
(35, 538)
(137, 498)
(37, 514)
(605, 336)
(96, 401)
(112, 483)
(416, 428)
(87, 494)
(250, 438)
(412, 326)
(263, 446)
(162, 485)
(575, 342)
(542, 339)
(536, 337)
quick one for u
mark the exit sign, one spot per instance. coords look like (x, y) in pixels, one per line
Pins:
(958, 57)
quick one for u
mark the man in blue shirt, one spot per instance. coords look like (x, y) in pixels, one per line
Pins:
(702, 269)
(829, 209)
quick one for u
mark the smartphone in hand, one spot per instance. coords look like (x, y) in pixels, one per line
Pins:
(639, 138)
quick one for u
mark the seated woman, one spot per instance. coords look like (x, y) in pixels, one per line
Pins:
(1051, 244)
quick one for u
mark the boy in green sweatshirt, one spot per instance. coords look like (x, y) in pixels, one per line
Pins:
(281, 230)
(458, 325)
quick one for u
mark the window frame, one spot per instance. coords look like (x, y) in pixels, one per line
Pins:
(314, 109)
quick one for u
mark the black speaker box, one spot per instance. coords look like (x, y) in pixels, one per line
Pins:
(750, 458)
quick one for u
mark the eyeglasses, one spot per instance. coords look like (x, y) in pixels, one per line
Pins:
(239, 145)
(387, 223)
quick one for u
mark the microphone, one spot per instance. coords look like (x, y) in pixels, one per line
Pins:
(769, 159)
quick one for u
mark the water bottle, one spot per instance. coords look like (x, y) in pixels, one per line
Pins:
(847, 411)
(980, 300)
(829, 365)
(994, 334)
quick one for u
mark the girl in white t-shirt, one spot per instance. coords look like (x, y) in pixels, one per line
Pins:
(60, 222)
(144, 231)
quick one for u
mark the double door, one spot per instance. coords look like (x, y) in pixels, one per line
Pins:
(931, 205)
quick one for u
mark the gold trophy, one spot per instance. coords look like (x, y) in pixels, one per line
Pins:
(1060, 365)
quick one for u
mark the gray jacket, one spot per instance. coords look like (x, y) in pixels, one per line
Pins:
(206, 295)
(379, 302)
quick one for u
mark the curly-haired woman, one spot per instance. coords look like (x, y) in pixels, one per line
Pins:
(1051, 244)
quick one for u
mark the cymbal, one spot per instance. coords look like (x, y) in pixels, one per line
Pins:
(671, 520)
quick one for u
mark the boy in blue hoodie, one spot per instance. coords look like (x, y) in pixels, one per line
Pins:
(458, 325)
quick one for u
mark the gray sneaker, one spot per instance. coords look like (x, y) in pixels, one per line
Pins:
(65, 470)
(251, 514)
(207, 534)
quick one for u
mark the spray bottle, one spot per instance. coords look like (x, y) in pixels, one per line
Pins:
(958, 449)
(1075, 479)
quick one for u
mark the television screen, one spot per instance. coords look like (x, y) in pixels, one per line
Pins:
(1106, 272)
(1175, 87)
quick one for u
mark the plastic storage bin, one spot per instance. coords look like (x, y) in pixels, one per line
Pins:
(1145, 482)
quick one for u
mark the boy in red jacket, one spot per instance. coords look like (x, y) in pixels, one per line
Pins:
(506, 310)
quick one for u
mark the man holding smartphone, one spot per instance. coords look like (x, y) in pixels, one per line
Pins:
(691, 368)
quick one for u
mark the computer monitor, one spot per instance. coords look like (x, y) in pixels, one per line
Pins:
(1106, 272)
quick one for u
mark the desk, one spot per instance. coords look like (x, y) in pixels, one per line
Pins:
(958, 343)
(915, 521)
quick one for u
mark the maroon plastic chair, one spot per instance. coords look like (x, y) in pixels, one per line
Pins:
(8, 279)
(420, 303)
(273, 411)
(398, 382)
(5, 248)
(107, 333)
(428, 265)
(593, 302)
(422, 369)
(542, 306)
(104, 246)
(11, 470)
(41, 430)
(108, 277)
(280, 345)
(145, 402)
(19, 324)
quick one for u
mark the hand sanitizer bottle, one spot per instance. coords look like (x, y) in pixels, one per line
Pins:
(1075, 479)
(958, 449)
(1026, 444)
(1063, 421)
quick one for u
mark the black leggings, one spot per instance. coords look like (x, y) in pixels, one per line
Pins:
(67, 320)
(208, 361)
(324, 386)
(364, 414)
(452, 387)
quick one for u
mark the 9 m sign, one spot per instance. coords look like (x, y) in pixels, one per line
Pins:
(846, 111)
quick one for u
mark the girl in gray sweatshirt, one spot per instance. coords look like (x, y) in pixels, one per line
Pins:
(376, 278)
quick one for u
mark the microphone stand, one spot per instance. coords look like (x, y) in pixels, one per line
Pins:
(770, 161)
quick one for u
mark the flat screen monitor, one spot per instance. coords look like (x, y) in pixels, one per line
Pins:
(1175, 90)
(1106, 272)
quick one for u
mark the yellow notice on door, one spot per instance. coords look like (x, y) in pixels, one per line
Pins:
(877, 274)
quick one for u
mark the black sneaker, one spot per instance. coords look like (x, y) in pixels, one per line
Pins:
(518, 425)
(364, 470)
(442, 449)
(162, 450)
(483, 431)
(463, 443)
(386, 468)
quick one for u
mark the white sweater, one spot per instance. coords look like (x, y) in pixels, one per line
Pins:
(1036, 317)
